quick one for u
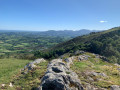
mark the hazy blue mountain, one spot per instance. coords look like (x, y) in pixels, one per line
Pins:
(64, 33)
(70, 33)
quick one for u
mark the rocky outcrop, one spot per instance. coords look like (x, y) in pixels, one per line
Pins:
(78, 52)
(83, 57)
(118, 69)
(69, 61)
(92, 73)
(91, 87)
(117, 65)
(101, 57)
(60, 77)
(115, 87)
(32, 65)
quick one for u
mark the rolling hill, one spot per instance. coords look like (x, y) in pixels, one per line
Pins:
(106, 43)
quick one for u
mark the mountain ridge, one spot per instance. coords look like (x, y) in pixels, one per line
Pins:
(70, 33)
(105, 43)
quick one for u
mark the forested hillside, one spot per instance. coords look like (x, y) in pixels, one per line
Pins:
(106, 43)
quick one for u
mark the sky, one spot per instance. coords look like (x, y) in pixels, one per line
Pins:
(59, 14)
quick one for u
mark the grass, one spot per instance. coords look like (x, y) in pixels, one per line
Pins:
(10, 67)
(97, 65)
(31, 80)
(10, 72)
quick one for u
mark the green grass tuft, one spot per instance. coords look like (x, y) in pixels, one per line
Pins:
(10, 67)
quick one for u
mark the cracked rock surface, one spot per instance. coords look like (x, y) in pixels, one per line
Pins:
(60, 77)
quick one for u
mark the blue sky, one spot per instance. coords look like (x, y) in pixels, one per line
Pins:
(59, 14)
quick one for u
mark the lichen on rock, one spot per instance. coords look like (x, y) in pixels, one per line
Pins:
(60, 77)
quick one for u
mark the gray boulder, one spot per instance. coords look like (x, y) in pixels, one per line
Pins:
(118, 69)
(69, 61)
(83, 57)
(78, 52)
(102, 74)
(59, 77)
(92, 73)
(115, 87)
(117, 65)
(31, 65)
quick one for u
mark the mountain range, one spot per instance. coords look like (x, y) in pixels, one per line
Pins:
(61, 33)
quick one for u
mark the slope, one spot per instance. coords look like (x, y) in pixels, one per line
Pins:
(105, 43)
(85, 71)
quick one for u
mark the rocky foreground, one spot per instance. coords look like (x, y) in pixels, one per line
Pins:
(60, 77)
(84, 71)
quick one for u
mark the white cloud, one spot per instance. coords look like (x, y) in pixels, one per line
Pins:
(102, 21)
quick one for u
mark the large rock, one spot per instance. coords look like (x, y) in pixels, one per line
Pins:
(101, 57)
(60, 77)
(115, 87)
(32, 65)
(117, 65)
(91, 87)
(92, 73)
(83, 57)
(69, 61)
(78, 52)
(118, 69)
